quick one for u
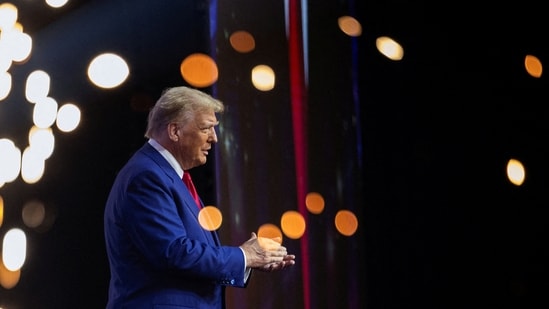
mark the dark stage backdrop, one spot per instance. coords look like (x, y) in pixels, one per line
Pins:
(416, 149)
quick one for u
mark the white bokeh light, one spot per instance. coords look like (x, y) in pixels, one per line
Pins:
(38, 86)
(10, 165)
(5, 85)
(32, 166)
(42, 141)
(19, 44)
(8, 15)
(56, 3)
(68, 117)
(45, 112)
(108, 70)
(14, 249)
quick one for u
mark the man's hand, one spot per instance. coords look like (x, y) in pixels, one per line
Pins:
(266, 254)
(287, 261)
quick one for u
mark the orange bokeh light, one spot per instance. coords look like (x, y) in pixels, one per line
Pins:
(533, 66)
(199, 70)
(293, 224)
(242, 41)
(346, 222)
(271, 231)
(210, 218)
(8, 278)
(314, 202)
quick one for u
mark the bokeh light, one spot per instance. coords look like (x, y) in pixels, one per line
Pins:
(533, 66)
(38, 216)
(10, 164)
(45, 112)
(5, 84)
(263, 77)
(314, 202)
(37, 86)
(108, 70)
(9, 278)
(8, 15)
(14, 249)
(293, 224)
(350, 26)
(68, 117)
(516, 172)
(269, 230)
(42, 141)
(5, 59)
(56, 3)
(346, 222)
(389, 48)
(210, 218)
(33, 214)
(242, 41)
(268, 243)
(19, 44)
(32, 165)
(199, 70)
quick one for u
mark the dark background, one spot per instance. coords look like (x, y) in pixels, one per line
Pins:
(417, 149)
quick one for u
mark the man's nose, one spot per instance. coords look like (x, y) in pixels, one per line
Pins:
(213, 136)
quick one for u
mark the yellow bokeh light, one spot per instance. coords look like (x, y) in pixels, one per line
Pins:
(314, 203)
(350, 26)
(269, 230)
(389, 48)
(533, 66)
(293, 224)
(263, 77)
(516, 172)
(199, 70)
(242, 41)
(346, 222)
(210, 218)
(8, 278)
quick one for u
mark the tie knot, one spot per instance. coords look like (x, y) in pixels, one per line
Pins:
(186, 176)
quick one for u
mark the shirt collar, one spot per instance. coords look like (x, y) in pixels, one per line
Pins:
(168, 156)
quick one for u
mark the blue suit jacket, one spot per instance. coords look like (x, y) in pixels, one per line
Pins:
(159, 255)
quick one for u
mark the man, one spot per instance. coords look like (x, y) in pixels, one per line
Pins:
(159, 255)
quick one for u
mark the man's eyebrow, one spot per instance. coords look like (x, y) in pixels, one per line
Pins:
(209, 123)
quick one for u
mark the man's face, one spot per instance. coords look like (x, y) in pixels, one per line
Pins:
(196, 139)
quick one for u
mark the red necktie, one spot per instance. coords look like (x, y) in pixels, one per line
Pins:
(189, 183)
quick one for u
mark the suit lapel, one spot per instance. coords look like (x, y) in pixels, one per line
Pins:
(149, 150)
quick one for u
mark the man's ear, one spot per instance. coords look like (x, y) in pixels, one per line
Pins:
(173, 131)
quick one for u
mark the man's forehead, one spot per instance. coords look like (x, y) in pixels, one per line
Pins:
(207, 119)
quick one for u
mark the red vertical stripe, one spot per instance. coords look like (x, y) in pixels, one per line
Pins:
(299, 121)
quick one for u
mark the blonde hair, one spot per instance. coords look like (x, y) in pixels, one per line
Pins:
(179, 104)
